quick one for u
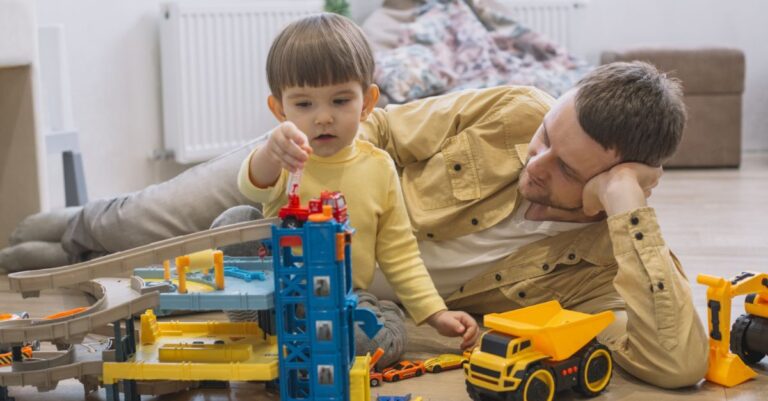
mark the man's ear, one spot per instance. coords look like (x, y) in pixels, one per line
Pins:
(370, 98)
(276, 106)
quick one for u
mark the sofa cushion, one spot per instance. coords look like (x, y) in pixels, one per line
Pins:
(702, 70)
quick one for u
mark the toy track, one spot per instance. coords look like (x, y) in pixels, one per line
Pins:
(29, 283)
(117, 298)
(48, 368)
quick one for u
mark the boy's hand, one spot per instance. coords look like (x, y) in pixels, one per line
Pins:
(624, 187)
(288, 146)
(454, 324)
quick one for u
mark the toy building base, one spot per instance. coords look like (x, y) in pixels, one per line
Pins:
(197, 351)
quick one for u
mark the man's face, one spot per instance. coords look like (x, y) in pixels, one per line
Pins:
(562, 158)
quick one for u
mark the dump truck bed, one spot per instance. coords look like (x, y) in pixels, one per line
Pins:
(554, 331)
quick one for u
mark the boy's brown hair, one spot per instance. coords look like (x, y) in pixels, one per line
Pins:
(634, 109)
(323, 49)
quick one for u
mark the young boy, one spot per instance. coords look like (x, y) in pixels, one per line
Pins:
(320, 72)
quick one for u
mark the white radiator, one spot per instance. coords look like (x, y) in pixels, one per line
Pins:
(554, 18)
(213, 72)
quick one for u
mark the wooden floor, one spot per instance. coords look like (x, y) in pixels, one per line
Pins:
(714, 220)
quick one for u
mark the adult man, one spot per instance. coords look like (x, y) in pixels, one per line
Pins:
(500, 190)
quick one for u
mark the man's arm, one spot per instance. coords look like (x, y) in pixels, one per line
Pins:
(660, 338)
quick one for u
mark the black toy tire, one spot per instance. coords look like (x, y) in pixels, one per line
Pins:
(290, 222)
(538, 385)
(738, 341)
(595, 369)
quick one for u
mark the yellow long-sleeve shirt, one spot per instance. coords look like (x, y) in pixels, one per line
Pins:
(368, 179)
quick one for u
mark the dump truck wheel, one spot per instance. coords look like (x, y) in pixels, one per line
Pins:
(538, 385)
(595, 370)
(739, 341)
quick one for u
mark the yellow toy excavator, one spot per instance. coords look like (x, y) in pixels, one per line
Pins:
(748, 339)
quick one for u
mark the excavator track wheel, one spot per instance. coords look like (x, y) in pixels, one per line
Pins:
(595, 370)
(739, 341)
(538, 385)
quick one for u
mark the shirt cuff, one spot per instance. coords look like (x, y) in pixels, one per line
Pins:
(634, 230)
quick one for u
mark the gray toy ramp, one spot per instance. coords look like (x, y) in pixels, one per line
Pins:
(30, 282)
(116, 299)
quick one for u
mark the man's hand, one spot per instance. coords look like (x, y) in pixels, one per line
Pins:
(288, 146)
(624, 187)
(454, 324)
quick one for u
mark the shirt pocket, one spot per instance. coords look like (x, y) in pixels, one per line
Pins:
(454, 165)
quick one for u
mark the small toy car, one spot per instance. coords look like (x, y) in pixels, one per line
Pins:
(406, 397)
(444, 362)
(403, 370)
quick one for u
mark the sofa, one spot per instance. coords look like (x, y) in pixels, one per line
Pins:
(713, 84)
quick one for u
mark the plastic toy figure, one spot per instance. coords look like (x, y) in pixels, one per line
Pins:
(444, 362)
(748, 338)
(403, 370)
(532, 353)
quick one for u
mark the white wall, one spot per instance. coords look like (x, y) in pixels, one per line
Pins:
(114, 64)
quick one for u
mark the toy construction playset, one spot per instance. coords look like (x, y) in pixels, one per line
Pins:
(302, 340)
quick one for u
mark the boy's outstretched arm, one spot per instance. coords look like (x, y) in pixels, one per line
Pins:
(454, 324)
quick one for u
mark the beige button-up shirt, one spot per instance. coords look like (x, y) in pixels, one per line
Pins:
(460, 156)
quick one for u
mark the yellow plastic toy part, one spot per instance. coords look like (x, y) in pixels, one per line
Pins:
(553, 331)
(200, 261)
(359, 379)
(205, 353)
(725, 368)
(198, 351)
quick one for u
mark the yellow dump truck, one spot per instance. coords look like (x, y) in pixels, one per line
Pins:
(531, 353)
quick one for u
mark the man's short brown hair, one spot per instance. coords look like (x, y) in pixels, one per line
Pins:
(323, 49)
(634, 109)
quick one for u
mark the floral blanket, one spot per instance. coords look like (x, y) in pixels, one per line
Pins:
(448, 48)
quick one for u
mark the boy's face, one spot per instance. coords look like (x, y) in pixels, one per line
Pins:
(328, 115)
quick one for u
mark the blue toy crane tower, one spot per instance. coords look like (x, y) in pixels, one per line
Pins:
(316, 309)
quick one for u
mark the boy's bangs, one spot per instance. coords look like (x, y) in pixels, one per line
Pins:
(320, 64)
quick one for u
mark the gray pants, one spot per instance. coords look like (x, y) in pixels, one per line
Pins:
(186, 204)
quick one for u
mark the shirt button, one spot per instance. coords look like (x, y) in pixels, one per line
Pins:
(634, 221)
(474, 222)
(545, 267)
(457, 167)
(571, 256)
(521, 294)
(638, 236)
(498, 277)
(461, 289)
(430, 235)
(661, 285)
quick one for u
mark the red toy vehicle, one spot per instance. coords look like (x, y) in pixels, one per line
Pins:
(294, 215)
(403, 370)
